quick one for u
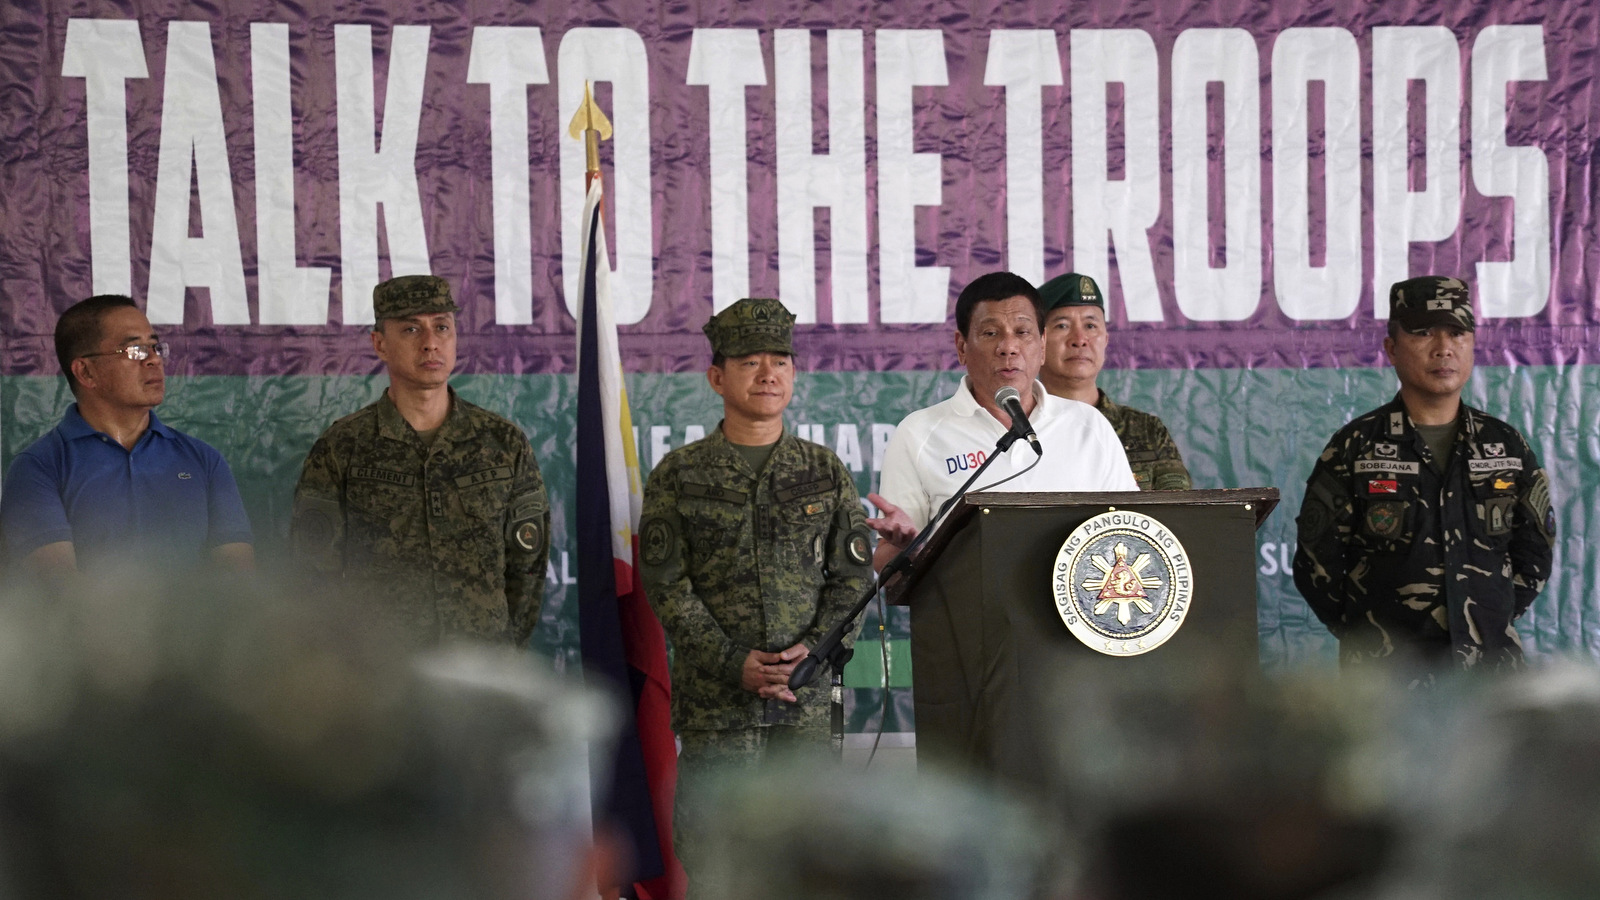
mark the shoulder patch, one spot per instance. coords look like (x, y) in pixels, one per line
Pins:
(1328, 491)
(1541, 511)
(859, 548)
(529, 505)
(527, 535)
(1325, 498)
(315, 531)
(1313, 521)
(656, 540)
(313, 525)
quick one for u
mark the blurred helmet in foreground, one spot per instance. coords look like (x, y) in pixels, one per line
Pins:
(1515, 809)
(1199, 777)
(812, 829)
(197, 741)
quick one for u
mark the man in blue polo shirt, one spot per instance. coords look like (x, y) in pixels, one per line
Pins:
(111, 482)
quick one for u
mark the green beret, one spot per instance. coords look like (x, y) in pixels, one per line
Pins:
(1418, 304)
(1071, 289)
(412, 295)
(753, 325)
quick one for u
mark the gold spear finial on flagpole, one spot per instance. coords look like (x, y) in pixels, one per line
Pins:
(592, 125)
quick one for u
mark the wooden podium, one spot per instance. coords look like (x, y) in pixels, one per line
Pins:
(987, 630)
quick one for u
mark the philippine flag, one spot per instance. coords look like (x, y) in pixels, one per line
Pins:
(622, 641)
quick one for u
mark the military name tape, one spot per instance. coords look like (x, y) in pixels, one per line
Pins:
(1494, 465)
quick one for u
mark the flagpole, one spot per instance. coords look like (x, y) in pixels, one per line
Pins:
(621, 641)
(592, 126)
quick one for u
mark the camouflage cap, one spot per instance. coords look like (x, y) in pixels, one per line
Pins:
(1071, 289)
(1418, 304)
(753, 325)
(412, 295)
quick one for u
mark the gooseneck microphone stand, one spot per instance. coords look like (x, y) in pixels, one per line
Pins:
(831, 649)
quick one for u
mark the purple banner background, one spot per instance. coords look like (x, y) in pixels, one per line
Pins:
(44, 246)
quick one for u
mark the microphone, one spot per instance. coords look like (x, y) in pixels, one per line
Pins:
(1009, 400)
(805, 670)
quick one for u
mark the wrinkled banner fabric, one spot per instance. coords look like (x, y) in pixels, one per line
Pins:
(1245, 181)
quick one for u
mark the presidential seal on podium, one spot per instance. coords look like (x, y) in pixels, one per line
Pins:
(1122, 583)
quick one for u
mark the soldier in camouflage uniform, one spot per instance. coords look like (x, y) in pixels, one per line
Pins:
(428, 505)
(1426, 527)
(752, 543)
(1075, 349)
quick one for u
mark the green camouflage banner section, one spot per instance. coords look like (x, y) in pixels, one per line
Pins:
(1236, 427)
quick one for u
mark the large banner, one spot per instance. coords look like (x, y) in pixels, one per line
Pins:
(1245, 181)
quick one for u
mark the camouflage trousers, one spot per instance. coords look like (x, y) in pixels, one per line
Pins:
(707, 757)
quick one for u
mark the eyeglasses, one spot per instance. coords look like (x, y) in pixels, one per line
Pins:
(137, 352)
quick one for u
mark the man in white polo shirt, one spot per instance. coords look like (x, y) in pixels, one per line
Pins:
(999, 339)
